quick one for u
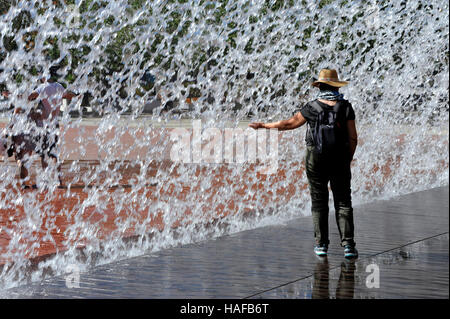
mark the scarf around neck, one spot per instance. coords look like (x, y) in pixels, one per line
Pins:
(330, 95)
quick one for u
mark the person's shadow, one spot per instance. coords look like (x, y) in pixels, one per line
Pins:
(346, 284)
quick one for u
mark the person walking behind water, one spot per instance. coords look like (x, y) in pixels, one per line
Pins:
(43, 135)
(331, 140)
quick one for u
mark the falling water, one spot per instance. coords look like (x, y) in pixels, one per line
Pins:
(224, 63)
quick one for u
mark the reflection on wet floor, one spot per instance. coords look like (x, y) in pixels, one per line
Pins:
(346, 284)
(418, 270)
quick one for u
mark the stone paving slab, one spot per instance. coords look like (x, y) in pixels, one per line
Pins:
(407, 237)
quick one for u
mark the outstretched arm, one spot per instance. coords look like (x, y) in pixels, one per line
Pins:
(294, 122)
(69, 95)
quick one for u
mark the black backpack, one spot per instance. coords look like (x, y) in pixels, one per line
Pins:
(330, 132)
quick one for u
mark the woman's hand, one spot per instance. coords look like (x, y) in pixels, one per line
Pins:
(257, 125)
(296, 121)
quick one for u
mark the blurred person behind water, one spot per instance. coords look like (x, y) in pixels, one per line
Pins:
(41, 132)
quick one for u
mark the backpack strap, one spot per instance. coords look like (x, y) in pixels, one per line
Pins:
(316, 106)
(339, 105)
(343, 104)
(336, 107)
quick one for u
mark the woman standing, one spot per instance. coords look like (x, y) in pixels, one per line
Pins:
(331, 142)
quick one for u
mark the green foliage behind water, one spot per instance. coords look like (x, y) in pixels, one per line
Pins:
(346, 40)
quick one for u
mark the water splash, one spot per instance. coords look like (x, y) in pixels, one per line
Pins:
(224, 62)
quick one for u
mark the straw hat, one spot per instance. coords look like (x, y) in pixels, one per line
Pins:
(329, 77)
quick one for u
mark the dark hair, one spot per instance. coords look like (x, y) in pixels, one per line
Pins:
(326, 87)
(53, 70)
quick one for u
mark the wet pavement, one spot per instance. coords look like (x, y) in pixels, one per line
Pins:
(403, 244)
